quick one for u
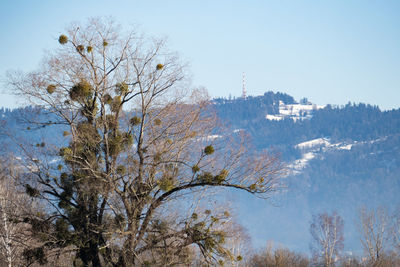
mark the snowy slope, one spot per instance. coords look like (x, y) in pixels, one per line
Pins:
(294, 111)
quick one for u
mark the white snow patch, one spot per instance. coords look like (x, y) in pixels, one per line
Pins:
(378, 140)
(302, 163)
(54, 160)
(346, 147)
(319, 142)
(313, 148)
(212, 137)
(209, 138)
(294, 111)
(273, 117)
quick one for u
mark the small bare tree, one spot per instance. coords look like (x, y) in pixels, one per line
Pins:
(327, 236)
(14, 205)
(395, 231)
(373, 227)
(277, 257)
(8, 230)
(238, 243)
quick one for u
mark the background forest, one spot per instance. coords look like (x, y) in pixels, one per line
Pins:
(114, 159)
(363, 176)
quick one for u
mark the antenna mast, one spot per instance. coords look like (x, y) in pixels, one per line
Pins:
(244, 92)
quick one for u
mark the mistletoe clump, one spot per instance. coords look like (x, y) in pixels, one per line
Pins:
(107, 99)
(221, 176)
(206, 177)
(51, 88)
(121, 88)
(62, 39)
(121, 170)
(33, 192)
(157, 122)
(115, 144)
(195, 168)
(208, 150)
(166, 183)
(80, 48)
(66, 153)
(116, 103)
(81, 90)
(135, 121)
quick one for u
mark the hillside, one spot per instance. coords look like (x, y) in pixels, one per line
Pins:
(339, 158)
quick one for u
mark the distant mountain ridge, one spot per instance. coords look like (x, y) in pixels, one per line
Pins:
(351, 121)
(339, 157)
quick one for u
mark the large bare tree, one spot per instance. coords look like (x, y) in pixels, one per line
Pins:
(139, 144)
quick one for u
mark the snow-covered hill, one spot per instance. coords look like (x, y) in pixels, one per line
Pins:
(317, 147)
(294, 111)
(341, 158)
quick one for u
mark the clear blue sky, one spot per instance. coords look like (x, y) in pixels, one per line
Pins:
(328, 51)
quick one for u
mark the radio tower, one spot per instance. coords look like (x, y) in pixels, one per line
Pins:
(244, 86)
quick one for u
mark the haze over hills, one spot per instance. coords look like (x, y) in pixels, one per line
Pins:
(339, 158)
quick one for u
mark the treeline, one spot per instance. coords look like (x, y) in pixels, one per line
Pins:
(357, 122)
(379, 235)
(349, 122)
(244, 112)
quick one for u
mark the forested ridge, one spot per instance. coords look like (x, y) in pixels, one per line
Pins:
(365, 174)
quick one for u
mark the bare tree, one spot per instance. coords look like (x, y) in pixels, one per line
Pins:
(140, 145)
(238, 244)
(395, 231)
(327, 233)
(373, 226)
(14, 205)
(8, 229)
(277, 257)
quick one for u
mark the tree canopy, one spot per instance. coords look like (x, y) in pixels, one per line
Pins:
(140, 143)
